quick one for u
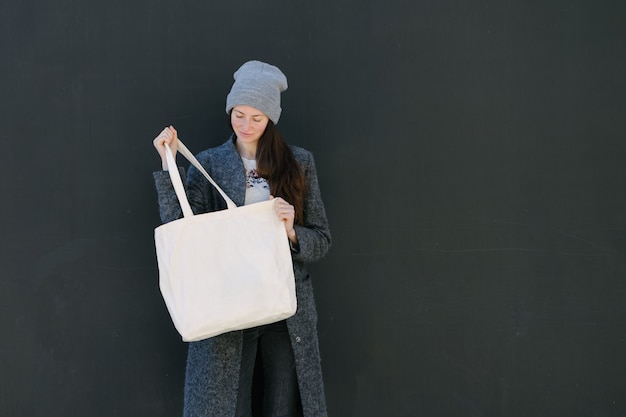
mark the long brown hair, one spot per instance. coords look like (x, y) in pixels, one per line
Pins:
(276, 163)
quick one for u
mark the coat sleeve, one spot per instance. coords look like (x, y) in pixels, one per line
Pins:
(314, 238)
(169, 207)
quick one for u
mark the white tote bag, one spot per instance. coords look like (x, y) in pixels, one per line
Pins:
(225, 270)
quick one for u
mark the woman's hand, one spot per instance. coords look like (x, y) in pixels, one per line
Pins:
(286, 213)
(169, 136)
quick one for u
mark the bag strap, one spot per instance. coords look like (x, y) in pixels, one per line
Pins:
(178, 183)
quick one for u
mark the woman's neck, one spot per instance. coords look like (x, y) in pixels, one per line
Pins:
(246, 150)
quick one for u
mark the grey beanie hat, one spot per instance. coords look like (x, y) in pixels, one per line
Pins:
(258, 85)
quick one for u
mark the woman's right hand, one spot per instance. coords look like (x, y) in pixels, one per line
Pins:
(169, 136)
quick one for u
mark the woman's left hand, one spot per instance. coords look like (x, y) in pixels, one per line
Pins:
(286, 213)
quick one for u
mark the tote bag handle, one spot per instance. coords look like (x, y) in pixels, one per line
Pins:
(178, 183)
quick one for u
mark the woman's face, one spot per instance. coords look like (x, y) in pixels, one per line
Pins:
(248, 123)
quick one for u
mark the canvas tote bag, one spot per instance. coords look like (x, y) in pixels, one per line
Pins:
(225, 270)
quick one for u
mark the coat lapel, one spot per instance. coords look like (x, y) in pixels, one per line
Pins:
(230, 173)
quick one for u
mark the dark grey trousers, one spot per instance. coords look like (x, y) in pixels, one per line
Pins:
(281, 396)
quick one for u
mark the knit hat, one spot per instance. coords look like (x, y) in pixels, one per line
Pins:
(258, 85)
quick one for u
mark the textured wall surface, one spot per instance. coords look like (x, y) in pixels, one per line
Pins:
(471, 157)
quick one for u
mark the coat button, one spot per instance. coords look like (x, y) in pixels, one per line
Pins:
(298, 340)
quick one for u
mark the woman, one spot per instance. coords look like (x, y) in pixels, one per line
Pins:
(253, 165)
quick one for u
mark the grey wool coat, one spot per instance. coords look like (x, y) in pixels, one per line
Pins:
(212, 375)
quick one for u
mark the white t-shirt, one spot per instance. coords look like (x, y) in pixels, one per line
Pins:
(257, 188)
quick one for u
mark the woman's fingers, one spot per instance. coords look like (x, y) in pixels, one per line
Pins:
(284, 210)
(286, 213)
(168, 135)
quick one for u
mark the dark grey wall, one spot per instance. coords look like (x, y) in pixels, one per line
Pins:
(471, 159)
